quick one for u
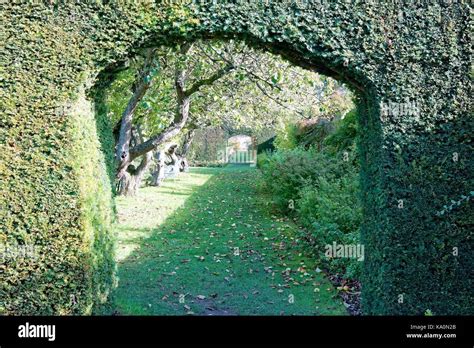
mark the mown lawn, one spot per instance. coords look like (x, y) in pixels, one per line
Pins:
(206, 243)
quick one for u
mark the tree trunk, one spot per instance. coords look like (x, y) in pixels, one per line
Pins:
(128, 185)
(188, 139)
(183, 164)
(158, 174)
(141, 85)
(156, 177)
(130, 181)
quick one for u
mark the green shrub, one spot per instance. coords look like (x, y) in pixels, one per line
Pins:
(346, 133)
(286, 137)
(331, 212)
(323, 189)
(262, 159)
(286, 172)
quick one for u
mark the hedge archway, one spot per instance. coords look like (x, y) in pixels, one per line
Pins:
(409, 63)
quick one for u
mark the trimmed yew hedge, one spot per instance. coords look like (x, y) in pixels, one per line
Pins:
(55, 188)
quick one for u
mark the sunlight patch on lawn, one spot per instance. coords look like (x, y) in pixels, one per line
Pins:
(139, 216)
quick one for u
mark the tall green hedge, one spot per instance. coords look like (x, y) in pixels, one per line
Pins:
(54, 188)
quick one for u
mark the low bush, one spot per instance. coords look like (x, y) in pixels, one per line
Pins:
(320, 187)
(286, 137)
(262, 158)
(331, 213)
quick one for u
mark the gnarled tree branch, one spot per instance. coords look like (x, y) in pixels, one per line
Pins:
(182, 109)
(141, 85)
(209, 81)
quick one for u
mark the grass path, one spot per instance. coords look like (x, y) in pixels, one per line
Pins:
(206, 244)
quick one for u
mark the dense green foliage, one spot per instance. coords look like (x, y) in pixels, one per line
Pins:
(419, 51)
(321, 187)
(68, 260)
(334, 102)
(259, 91)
